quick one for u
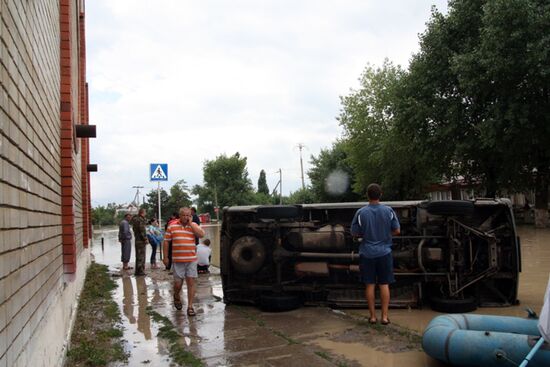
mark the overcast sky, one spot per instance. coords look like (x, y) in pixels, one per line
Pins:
(182, 82)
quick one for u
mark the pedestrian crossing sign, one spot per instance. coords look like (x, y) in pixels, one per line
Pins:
(158, 171)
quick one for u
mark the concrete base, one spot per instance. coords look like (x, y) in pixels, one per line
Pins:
(48, 345)
(213, 233)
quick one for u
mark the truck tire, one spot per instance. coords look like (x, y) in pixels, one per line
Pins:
(247, 255)
(279, 302)
(448, 305)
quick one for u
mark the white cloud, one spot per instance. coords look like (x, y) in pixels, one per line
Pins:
(182, 82)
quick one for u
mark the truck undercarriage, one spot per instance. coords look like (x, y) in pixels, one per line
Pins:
(454, 255)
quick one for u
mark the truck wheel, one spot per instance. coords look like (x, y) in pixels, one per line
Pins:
(279, 212)
(449, 305)
(450, 207)
(279, 302)
(247, 255)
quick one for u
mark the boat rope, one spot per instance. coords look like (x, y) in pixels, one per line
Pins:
(501, 355)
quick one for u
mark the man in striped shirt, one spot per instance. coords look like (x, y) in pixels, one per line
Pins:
(184, 256)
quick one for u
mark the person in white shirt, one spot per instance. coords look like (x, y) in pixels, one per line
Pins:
(204, 254)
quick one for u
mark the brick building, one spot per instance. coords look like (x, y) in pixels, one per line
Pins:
(44, 178)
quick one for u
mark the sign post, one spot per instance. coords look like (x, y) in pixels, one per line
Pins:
(159, 172)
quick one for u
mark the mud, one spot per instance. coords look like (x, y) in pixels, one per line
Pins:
(223, 335)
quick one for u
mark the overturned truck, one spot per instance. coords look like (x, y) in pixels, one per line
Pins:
(453, 255)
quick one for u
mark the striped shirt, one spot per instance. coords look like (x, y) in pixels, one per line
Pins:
(183, 242)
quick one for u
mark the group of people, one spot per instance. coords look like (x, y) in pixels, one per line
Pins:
(182, 252)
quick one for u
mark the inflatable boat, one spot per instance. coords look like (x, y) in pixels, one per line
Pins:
(479, 340)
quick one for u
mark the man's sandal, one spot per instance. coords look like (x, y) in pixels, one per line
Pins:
(178, 304)
(191, 312)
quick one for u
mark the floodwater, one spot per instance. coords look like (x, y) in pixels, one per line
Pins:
(223, 335)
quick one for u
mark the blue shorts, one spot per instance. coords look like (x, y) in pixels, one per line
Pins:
(378, 270)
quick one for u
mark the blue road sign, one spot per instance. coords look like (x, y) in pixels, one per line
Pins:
(158, 171)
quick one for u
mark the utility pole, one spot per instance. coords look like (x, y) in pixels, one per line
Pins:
(136, 197)
(281, 186)
(216, 209)
(301, 146)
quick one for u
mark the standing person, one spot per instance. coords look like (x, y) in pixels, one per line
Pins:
(376, 223)
(125, 239)
(173, 218)
(197, 220)
(155, 238)
(184, 258)
(204, 254)
(140, 233)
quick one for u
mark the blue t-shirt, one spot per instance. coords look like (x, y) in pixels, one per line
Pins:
(375, 223)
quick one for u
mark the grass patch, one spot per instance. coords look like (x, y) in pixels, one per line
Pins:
(177, 351)
(97, 334)
(324, 355)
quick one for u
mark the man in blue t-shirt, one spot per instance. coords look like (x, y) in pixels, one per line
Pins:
(376, 223)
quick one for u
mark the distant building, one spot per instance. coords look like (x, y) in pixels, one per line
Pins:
(44, 179)
(458, 190)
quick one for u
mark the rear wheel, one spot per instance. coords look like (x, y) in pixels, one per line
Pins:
(449, 305)
(247, 255)
(279, 302)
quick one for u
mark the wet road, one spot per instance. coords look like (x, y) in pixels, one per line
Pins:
(223, 335)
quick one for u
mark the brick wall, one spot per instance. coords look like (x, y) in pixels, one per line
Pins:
(43, 180)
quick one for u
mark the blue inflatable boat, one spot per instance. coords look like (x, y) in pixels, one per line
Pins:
(479, 340)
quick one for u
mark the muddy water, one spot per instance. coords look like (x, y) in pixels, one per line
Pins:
(223, 335)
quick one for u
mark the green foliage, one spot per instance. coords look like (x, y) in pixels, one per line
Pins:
(262, 184)
(104, 216)
(151, 203)
(262, 199)
(179, 197)
(376, 150)
(331, 176)
(302, 196)
(477, 99)
(225, 179)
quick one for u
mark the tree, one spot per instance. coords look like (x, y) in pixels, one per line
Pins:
(170, 203)
(104, 216)
(331, 175)
(151, 203)
(476, 98)
(262, 184)
(225, 178)
(376, 150)
(179, 197)
(302, 196)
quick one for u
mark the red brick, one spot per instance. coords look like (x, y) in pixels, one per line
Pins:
(65, 107)
(68, 243)
(66, 171)
(69, 268)
(66, 143)
(68, 230)
(67, 220)
(66, 161)
(67, 152)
